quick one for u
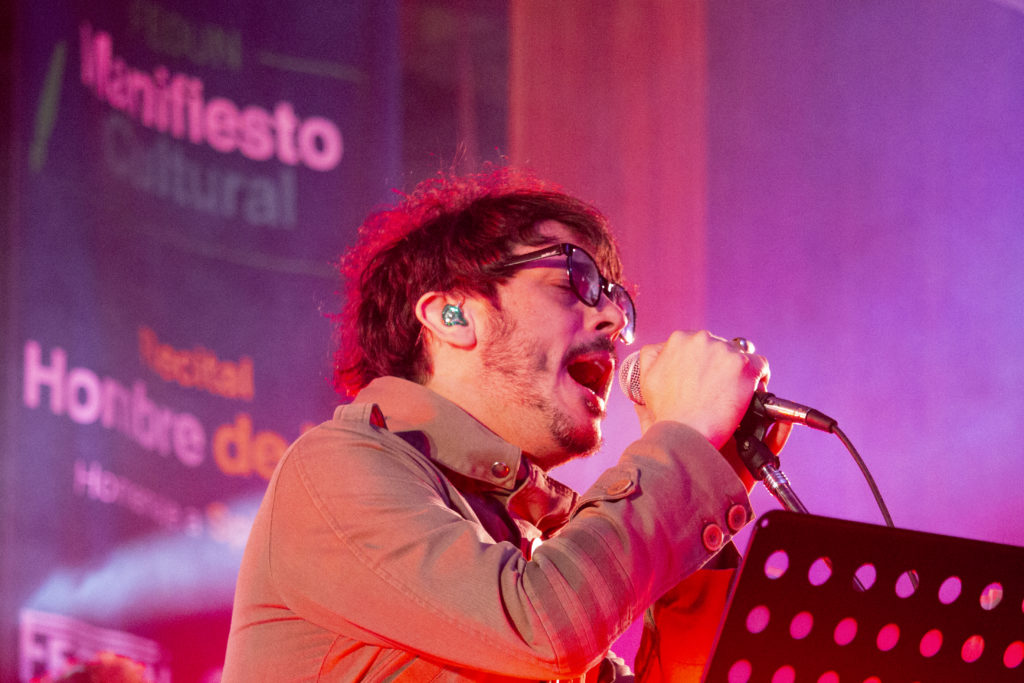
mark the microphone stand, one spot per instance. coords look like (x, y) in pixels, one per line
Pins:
(764, 465)
(774, 479)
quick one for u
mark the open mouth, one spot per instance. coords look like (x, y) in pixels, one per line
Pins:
(593, 371)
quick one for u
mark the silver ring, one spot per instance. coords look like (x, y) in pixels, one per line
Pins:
(744, 345)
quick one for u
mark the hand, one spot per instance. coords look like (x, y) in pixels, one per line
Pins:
(700, 380)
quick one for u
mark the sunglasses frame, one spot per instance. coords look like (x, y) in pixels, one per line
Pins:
(605, 286)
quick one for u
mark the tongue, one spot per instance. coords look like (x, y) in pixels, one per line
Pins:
(587, 374)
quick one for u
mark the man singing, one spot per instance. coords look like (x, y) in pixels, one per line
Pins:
(416, 536)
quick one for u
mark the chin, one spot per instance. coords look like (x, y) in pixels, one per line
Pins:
(580, 441)
(567, 440)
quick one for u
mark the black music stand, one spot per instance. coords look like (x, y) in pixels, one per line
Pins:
(823, 600)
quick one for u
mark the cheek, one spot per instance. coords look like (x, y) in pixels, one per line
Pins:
(541, 362)
(535, 356)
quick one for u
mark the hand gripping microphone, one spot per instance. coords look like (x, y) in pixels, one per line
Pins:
(764, 409)
(763, 405)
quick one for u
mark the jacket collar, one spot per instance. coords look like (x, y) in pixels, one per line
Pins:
(454, 439)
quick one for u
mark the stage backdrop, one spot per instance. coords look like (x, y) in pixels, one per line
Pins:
(185, 174)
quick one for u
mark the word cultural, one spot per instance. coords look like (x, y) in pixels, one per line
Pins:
(164, 169)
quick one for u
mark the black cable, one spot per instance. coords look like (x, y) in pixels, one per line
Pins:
(867, 475)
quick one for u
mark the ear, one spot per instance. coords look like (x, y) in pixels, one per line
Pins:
(430, 312)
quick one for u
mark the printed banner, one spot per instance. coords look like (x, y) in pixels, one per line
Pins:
(186, 173)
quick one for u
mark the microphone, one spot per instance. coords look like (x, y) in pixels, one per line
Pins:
(763, 404)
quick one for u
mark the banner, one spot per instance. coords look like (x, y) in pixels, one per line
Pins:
(184, 176)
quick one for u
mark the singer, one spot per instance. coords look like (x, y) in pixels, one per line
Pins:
(416, 536)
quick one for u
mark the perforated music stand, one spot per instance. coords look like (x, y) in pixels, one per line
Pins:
(822, 600)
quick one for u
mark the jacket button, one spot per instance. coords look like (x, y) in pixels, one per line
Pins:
(619, 487)
(500, 470)
(736, 517)
(713, 537)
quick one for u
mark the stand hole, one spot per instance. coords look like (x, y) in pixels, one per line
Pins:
(949, 591)
(846, 631)
(801, 625)
(758, 618)
(972, 649)
(931, 643)
(740, 672)
(991, 596)
(1014, 655)
(906, 584)
(888, 636)
(820, 571)
(776, 564)
(866, 576)
(784, 674)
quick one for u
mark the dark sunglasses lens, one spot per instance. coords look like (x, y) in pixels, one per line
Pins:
(584, 276)
(621, 298)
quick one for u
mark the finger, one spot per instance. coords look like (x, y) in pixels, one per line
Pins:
(766, 374)
(760, 369)
(759, 362)
(645, 416)
(652, 350)
(777, 436)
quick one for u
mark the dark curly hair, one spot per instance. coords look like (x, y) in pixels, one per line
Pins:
(442, 237)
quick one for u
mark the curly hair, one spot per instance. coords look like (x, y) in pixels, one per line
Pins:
(442, 237)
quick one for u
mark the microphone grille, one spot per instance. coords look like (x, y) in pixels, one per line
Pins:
(629, 378)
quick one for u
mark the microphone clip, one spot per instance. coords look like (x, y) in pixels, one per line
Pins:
(759, 459)
(749, 435)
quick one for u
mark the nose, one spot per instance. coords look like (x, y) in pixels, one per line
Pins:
(607, 317)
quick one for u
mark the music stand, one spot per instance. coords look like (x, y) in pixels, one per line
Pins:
(827, 601)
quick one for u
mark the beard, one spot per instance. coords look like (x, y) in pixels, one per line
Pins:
(514, 362)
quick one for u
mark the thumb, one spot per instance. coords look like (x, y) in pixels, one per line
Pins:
(645, 416)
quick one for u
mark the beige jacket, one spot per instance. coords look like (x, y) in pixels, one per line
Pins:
(404, 541)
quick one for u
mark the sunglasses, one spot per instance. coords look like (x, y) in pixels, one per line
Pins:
(586, 280)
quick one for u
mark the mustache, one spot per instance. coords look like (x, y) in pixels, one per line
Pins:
(600, 344)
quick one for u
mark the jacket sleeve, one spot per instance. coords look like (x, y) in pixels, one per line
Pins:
(363, 540)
